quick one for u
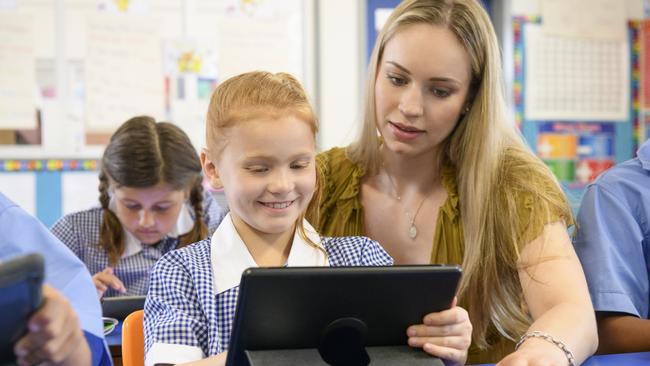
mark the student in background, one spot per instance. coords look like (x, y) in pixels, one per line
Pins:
(613, 243)
(450, 180)
(261, 148)
(152, 201)
(67, 329)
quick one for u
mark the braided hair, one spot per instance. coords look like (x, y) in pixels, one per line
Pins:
(143, 153)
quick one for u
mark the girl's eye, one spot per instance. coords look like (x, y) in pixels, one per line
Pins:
(257, 169)
(299, 165)
(132, 207)
(396, 80)
(161, 208)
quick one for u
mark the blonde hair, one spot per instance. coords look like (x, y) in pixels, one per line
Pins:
(480, 146)
(143, 153)
(258, 94)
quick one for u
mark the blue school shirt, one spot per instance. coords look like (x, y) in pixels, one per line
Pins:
(22, 234)
(191, 303)
(613, 237)
(80, 232)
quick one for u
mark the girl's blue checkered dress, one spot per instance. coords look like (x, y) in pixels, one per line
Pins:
(183, 309)
(80, 232)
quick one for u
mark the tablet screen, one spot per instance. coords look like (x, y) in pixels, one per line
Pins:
(295, 307)
(21, 281)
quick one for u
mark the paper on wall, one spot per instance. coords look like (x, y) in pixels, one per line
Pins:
(586, 19)
(571, 79)
(18, 88)
(124, 75)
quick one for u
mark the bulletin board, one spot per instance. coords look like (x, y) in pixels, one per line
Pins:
(578, 142)
(72, 71)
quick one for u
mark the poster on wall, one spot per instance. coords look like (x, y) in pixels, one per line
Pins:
(577, 152)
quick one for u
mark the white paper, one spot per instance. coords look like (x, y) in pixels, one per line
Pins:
(18, 88)
(124, 76)
(20, 188)
(593, 19)
(265, 35)
(572, 79)
(79, 191)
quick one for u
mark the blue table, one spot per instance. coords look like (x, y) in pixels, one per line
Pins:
(114, 341)
(622, 359)
(115, 338)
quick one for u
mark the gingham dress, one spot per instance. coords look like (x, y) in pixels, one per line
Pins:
(182, 307)
(80, 232)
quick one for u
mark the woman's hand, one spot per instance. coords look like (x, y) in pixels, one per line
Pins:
(446, 334)
(105, 279)
(54, 336)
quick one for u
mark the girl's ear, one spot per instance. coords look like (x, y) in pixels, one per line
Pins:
(210, 170)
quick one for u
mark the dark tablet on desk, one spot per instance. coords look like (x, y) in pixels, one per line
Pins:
(120, 307)
(302, 307)
(21, 282)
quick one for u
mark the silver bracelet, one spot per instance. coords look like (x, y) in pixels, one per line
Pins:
(547, 337)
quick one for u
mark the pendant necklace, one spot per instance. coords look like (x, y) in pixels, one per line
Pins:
(413, 230)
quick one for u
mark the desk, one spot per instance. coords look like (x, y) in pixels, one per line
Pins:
(114, 341)
(621, 359)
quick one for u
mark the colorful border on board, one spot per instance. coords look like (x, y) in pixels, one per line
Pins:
(48, 165)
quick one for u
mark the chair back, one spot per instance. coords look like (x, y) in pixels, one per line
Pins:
(133, 339)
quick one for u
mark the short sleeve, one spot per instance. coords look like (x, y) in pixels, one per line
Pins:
(65, 231)
(609, 243)
(355, 251)
(530, 195)
(175, 327)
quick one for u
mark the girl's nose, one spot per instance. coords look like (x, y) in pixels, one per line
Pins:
(146, 218)
(281, 182)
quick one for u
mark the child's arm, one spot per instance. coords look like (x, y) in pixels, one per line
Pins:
(174, 321)
(614, 331)
(54, 335)
(218, 360)
(105, 279)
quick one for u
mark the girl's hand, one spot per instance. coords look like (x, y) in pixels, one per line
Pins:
(54, 336)
(446, 334)
(105, 279)
(535, 352)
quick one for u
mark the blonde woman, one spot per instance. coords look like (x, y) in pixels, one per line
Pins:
(450, 180)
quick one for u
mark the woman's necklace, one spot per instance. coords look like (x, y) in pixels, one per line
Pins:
(413, 230)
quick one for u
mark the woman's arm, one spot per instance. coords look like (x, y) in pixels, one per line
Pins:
(556, 293)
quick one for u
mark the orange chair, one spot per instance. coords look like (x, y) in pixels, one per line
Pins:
(133, 339)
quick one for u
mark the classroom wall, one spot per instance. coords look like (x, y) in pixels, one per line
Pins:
(59, 176)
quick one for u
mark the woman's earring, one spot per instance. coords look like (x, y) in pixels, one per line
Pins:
(466, 110)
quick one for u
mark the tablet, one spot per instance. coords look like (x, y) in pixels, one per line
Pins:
(21, 281)
(310, 307)
(120, 307)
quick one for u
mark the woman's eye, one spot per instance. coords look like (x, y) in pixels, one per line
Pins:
(396, 80)
(161, 208)
(441, 93)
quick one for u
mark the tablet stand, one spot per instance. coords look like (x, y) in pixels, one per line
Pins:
(342, 344)
(379, 356)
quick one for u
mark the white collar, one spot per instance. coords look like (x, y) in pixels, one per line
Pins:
(230, 256)
(133, 246)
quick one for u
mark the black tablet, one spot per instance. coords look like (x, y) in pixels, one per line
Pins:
(21, 281)
(316, 307)
(120, 307)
